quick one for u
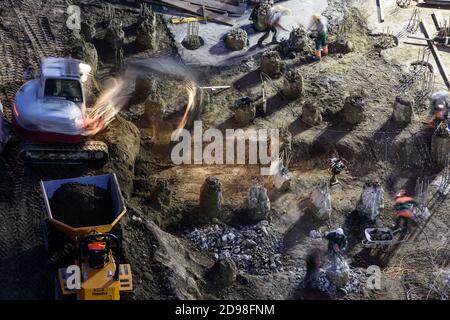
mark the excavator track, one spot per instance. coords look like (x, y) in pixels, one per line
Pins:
(91, 152)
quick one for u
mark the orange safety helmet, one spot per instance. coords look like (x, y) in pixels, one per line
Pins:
(94, 246)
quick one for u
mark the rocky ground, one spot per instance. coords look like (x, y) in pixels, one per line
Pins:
(182, 247)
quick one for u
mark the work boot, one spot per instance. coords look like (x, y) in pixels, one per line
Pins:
(318, 55)
(325, 50)
(274, 40)
(333, 181)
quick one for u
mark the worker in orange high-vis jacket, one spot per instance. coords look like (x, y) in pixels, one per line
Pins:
(404, 209)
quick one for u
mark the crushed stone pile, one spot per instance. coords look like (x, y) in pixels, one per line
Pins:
(255, 248)
(330, 270)
(82, 205)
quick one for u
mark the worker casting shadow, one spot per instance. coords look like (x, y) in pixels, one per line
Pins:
(249, 80)
(300, 230)
(329, 137)
(275, 103)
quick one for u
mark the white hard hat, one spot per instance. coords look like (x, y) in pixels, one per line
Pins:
(340, 231)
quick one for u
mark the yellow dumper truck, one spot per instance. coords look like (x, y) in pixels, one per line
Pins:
(93, 270)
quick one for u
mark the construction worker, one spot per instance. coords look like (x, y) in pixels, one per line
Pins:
(336, 167)
(439, 108)
(337, 242)
(404, 209)
(319, 24)
(273, 21)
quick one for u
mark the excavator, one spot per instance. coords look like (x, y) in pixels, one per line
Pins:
(50, 115)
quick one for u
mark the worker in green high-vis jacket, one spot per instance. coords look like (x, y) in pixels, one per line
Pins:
(337, 241)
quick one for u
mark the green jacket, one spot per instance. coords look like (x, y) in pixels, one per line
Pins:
(333, 238)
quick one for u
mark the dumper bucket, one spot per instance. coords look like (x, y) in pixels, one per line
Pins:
(108, 183)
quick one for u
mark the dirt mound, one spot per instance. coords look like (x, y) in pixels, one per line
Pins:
(81, 205)
(164, 266)
(123, 139)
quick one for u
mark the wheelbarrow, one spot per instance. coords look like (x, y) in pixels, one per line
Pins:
(387, 241)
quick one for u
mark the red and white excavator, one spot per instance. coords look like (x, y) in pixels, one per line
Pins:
(49, 114)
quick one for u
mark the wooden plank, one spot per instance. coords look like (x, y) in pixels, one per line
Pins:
(435, 53)
(380, 11)
(438, 20)
(438, 3)
(218, 5)
(198, 11)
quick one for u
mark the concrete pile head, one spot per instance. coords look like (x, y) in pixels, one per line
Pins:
(146, 35)
(311, 113)
(440, 145)
(271, 64)
(236, 39)
(258, 203)
(222, 274)
(353, 110)
(211, 198)
(293, 84)
(297, 39)
(245, 111)
(371, 200)
(260, 23)
(403, 110)
(88, 30)
(320, 200)
(115, 36)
